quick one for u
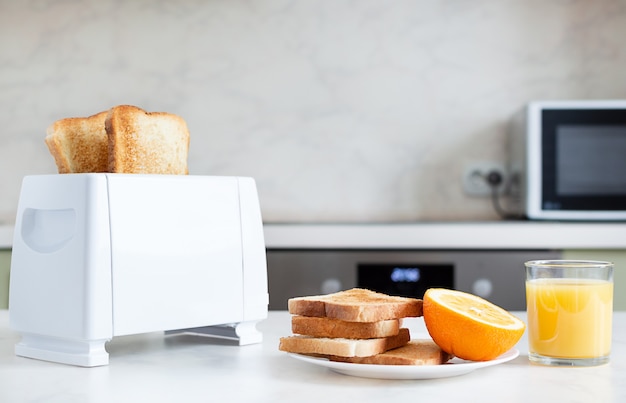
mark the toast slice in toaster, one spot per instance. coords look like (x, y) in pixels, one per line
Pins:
(146, 142)
(79, 145)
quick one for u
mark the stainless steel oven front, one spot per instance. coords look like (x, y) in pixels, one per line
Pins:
(496, 275)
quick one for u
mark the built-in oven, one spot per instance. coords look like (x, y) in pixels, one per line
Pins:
(496, 275)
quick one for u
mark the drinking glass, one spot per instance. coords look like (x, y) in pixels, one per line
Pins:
(570, 311)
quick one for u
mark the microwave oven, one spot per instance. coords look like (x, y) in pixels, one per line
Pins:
(568, 160)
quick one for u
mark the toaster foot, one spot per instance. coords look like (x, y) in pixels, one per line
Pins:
(84, 353)
(243, 332)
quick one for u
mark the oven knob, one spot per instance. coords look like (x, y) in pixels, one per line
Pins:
(482, 287)
(330, 286)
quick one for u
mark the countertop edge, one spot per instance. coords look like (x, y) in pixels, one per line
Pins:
(513, 235)
(448, 235)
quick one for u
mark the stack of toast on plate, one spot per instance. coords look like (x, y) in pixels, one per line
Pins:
(358, 326)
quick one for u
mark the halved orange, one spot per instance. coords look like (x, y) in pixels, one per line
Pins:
(468, 326)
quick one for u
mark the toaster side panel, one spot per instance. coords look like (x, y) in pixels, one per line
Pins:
(60, 269)
(256, 297)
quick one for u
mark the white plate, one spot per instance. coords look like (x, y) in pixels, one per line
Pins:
(454, 367)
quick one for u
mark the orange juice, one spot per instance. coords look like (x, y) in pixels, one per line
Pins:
(569, 318)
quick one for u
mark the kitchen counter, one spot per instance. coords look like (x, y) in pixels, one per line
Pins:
(157, 368)
(503, 235)
(510, 235)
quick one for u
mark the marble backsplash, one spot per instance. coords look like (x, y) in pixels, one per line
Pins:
(342, 110)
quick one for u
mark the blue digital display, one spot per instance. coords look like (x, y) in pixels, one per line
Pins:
(405, 275)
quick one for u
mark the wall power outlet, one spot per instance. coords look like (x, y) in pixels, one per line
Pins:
(475, 178)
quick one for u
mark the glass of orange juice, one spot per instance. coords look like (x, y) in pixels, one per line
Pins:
(570, 311)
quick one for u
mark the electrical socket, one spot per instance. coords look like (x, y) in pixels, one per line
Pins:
(475, 178)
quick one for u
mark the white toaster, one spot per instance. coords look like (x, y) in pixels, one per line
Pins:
(102, 255)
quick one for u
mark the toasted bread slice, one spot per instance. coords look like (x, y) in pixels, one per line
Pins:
(415, 352)
(327, 327)
(356, 305)
(146, 142)
(343, 347)
(79, 145)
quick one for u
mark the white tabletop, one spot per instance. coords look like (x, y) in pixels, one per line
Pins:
(157, 368)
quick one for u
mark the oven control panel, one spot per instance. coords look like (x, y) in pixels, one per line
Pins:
(497, 276)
